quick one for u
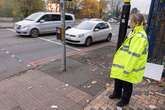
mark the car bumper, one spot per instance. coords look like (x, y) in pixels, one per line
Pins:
(73, 40)
(22, 31)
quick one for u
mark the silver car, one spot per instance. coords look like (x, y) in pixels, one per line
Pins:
(89, 31)
(42, 22)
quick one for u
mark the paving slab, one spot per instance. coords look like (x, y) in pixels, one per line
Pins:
(36, 90)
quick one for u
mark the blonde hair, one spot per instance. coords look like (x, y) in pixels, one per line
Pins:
(138, 19)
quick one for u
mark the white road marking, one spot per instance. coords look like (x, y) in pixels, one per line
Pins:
(13, 56)
(28, 65)
(2, 49)
(58, 43)
(19, 60)
(7, 52)
(12, 30)
(53, 39)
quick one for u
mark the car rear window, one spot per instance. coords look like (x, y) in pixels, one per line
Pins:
(56, 17)
(68, 17)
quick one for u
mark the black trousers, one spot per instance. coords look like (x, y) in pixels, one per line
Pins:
(123, 89)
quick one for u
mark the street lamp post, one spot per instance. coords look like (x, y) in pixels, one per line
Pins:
(124, 22)
(62, 4)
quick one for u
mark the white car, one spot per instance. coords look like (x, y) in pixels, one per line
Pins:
(42, 22)
(89, 31)
(111, 20)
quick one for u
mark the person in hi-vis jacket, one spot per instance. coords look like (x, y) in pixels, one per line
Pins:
(129, 61)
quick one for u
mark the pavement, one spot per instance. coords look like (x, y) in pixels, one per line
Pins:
(85, 86)
(146, 96)
(4, 25)
(38, 91)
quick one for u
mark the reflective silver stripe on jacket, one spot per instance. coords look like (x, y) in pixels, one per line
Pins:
(134, 70)
(142, 35)
(117, 65)
(129, 52)
(140, 69)
(146, 49)
(126, 72)
(126, 48)
(133, 54)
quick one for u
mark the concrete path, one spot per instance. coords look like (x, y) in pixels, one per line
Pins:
(38, 91)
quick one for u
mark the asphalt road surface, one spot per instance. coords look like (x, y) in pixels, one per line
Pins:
(18, 53)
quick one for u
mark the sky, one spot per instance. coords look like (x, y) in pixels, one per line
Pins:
(142, 5)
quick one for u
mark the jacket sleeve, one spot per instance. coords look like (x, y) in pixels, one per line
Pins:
(136, 48)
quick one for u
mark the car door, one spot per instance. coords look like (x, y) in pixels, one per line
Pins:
(105, 30)
(69, 21)
(99, 32)
(56, 21)
(45, 23)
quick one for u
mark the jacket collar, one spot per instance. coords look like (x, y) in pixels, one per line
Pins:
(138, 29)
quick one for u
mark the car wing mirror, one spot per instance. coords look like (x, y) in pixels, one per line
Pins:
(42, 21)
(96, 29)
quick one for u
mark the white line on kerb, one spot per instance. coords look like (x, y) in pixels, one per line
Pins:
(58, 43)
(10, 29)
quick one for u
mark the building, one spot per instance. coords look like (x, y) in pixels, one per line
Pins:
(52, 6)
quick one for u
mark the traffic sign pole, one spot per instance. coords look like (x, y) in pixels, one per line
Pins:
(62, 5)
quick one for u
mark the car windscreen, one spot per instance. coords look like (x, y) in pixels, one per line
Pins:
(33, 17)
(85, 25)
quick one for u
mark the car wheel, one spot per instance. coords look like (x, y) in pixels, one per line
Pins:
(88, 41)
(109, 37)
(34, 33)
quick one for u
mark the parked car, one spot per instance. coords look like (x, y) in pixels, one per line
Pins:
(112, 20)
(89, 31)
(42, 22)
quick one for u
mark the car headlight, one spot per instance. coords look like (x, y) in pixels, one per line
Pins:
(81, 35)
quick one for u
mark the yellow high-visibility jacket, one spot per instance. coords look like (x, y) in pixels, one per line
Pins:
(130, 59)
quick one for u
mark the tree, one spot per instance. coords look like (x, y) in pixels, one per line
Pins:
(73, 6)
(1, 3)
(6, 8)
(84, 8)
(93, 8)
(27, 7)
(115, 7)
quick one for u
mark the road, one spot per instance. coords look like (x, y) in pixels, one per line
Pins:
(18, 54)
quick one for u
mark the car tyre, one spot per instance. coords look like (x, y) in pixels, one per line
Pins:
(88, 41)
(109, 37)
(34, 33)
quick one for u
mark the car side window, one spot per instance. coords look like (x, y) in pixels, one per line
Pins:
(68, 17)
(98, 26)
(102, 26)
(106, 26)
(46, 18)
(55, 17)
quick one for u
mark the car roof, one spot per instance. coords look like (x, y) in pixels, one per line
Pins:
(42, 12)
(96, 21)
